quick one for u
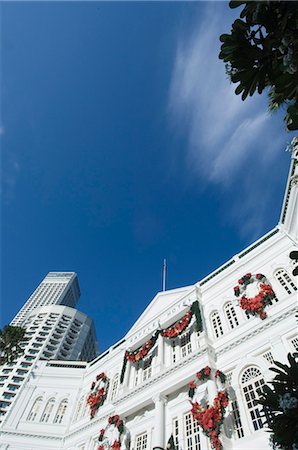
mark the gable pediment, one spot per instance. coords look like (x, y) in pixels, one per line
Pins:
(161, 303)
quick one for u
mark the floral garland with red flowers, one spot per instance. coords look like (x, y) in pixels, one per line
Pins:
(202, 375)
(140, 353)
(211, 418)
(118, 423)
(98, 394)
(178, 328)
(171, 332)
(255, 306)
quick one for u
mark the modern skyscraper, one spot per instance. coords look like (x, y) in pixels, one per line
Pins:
(57, 288)
(54, 330)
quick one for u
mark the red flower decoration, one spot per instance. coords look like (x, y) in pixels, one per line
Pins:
(207, 371)
(192, 385)
(211, 418)
(115, 445)
(178, 328)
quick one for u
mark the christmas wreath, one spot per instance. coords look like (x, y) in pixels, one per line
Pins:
(202, 375)
(98, 393)
(254, 305)
(118, 423)
(210, 418)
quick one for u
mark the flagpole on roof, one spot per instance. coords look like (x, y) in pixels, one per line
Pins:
(164, 274)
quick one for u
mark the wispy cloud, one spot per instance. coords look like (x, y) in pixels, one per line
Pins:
(228, 139)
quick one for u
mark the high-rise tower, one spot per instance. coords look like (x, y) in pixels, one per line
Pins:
(57, 288)
(54, 330)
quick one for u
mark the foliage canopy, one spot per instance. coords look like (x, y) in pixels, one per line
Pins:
(262, 52)
(10, 340)
(280, 404)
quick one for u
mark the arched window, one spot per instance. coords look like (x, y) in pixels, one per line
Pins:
(285, 281)
(35, 409)
(115, 385)
(231, 315)
(48, 410)
(216, 324)
(252, 383)
(61, 411)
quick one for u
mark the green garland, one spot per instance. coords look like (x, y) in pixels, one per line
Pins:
(195, 309)
(123, 369)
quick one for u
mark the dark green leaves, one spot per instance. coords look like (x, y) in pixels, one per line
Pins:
(262, 51)
(280, 404)
(10, 340)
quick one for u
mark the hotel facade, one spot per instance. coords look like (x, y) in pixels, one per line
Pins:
(144, 378)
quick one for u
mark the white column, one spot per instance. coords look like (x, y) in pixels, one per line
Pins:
(159, 422)
(193, 340)
(131, 381)
(160, 353)
(127, 374)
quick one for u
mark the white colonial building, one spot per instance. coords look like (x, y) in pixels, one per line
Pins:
(144, 377)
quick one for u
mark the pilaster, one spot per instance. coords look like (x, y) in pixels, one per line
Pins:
(159, 422)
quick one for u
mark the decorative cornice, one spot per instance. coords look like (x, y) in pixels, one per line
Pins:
(162, 375)
(258, 330)
(160, 398)
(43, 436)
(294, 180)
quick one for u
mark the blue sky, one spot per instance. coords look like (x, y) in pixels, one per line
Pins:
(122, 142)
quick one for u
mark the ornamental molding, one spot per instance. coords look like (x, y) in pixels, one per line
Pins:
(162, 375)
(257, 331)
(31, 435)
(294, 180)
(293, 146)
(88, 425)
(160, 398)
